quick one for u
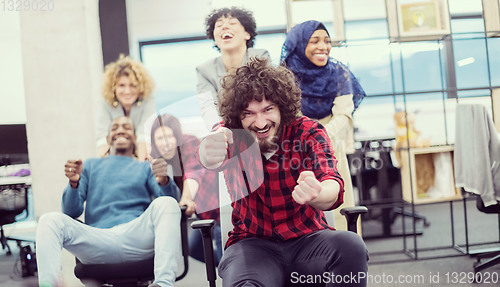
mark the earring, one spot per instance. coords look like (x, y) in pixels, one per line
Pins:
(115, 102)
(139, 102)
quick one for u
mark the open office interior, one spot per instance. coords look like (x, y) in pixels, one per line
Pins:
(415, 67)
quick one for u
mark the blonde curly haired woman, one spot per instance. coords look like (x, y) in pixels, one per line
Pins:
(127, 91)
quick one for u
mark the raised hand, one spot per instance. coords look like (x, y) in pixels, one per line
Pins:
(213, 149)
(73, 169)
(190, 205)
(159, 169)
(307, 188)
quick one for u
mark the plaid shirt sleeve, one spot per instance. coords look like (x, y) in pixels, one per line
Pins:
(207, 196)
(192, 168)
(322, 159)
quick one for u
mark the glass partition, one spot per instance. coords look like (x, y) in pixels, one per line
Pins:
(425, 72)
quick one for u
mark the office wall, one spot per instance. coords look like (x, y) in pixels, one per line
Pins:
(62, 67)
(12, 109)
(165, 19)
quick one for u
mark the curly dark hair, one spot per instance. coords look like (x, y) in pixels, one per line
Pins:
(245, 17)
(254, 81)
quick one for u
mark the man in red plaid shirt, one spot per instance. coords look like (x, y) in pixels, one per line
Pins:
(281, 174)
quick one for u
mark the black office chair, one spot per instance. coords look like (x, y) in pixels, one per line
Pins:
(492, 256)
(13, 201)
(372, 168)
(205, 226)
(138, 273)
(476, 166)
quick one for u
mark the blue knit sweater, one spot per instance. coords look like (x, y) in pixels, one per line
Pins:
(116, 190)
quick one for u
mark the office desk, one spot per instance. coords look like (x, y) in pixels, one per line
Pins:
(11, 180)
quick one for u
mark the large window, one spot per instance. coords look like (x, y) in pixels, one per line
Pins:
(173, 67)
(424, 77)
(494, 60)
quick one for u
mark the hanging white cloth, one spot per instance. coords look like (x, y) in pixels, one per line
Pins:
(477, 153)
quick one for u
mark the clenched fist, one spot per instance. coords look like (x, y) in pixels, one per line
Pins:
(159, 169)
(213, 149)
(73, 169)
(307, 188)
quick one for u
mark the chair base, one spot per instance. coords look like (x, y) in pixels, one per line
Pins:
(494, 259)
(3, 241)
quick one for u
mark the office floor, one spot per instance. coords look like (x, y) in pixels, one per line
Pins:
(389, 266)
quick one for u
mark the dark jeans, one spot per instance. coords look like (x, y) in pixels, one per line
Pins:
(322, 258)
(196, 245)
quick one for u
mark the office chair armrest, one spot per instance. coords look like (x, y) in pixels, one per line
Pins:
(352, 214)
(347, 211)
(205, 226)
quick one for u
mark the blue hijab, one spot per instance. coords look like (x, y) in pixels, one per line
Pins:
(320, 85)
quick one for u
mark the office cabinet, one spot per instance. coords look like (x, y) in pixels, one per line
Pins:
(427, 174)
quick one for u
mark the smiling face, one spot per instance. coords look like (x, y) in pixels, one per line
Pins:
(263, 120)
(166, 142)
(126, 91)
(318, 48)
(229, 34)
(121, 136)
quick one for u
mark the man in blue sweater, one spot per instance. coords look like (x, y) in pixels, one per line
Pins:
(123, 223)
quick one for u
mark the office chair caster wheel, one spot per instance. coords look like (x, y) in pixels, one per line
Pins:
(5, 245)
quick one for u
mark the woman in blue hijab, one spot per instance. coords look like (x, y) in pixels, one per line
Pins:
(330, 92)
